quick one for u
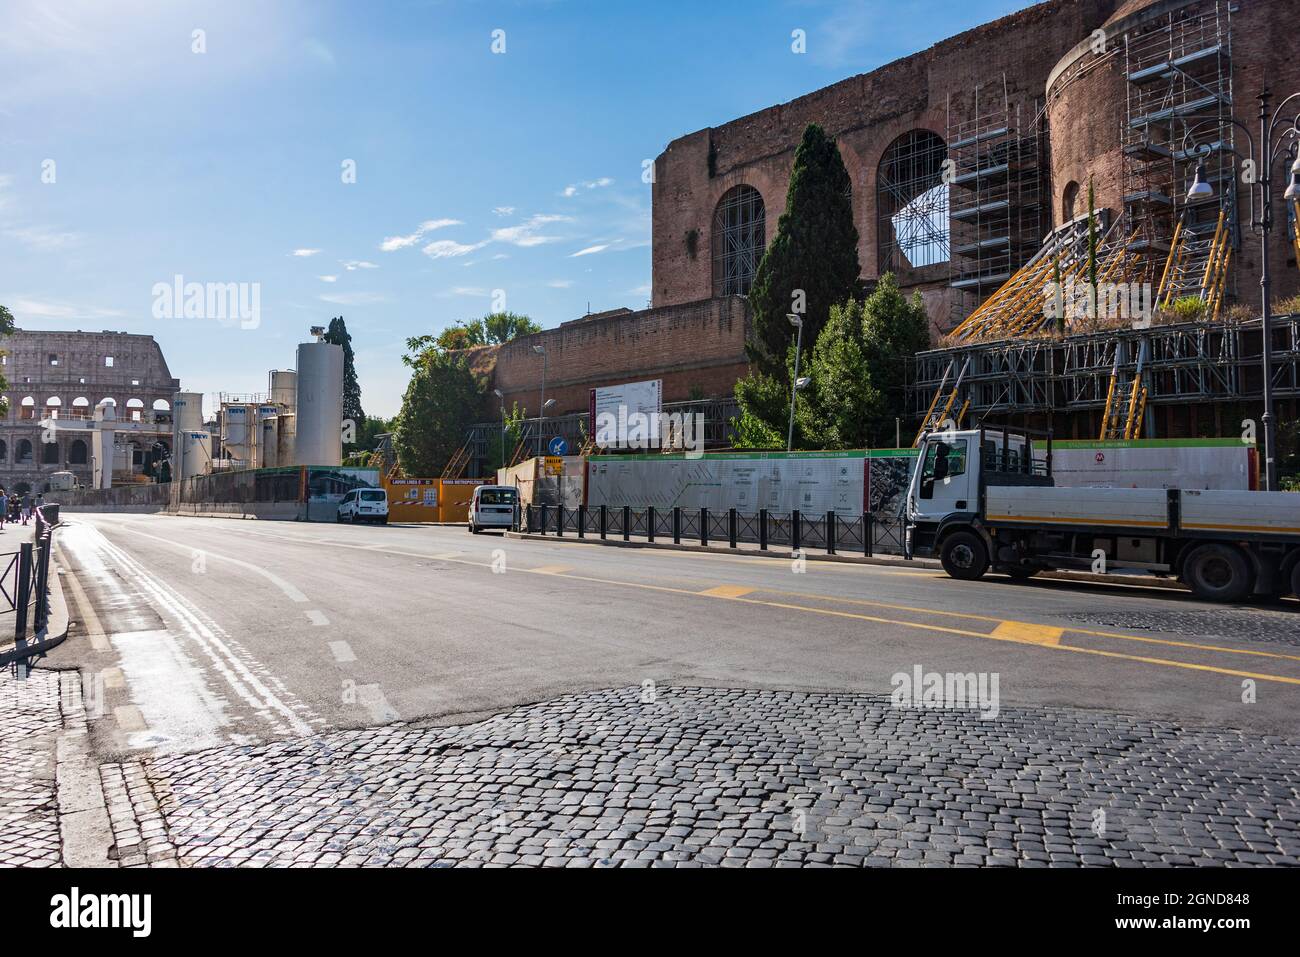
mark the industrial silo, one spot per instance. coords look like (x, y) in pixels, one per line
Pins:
(319, 404)
(283, 387)
(195, 453)
(187, 411)
(236, 441)
(268, 436)
(286, 431)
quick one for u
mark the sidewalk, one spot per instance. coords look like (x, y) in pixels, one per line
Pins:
(751, 549)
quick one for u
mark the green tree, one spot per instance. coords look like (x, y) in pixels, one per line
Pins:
(815, 250)
(894, 330)
(496, 328)
(338, 334)
(6, 329)
(841, 403)
(442, 400)
(514, 428)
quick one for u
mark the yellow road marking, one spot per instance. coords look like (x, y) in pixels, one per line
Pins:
(727, 591)
(1024, 631)
(550, 569)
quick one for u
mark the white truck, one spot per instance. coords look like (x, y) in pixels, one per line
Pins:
(985, 499)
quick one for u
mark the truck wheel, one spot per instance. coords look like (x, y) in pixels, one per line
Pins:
(964, 556)
(1217, 573)
(1295, 580)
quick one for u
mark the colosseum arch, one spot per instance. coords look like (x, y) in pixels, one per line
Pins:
(24, 452)
(912, 227)
(4, 451)
(77, 452)
(27, 407)
(738, 239)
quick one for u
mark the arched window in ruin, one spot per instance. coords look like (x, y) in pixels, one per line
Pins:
(50, 453)
(24, 452)
(53, 406)
(912, 203)
(77, 452)
(81, 407)
(27, 408)
(161, 405)
(4, 451)
(135, 408)
(739, 238)
(1070, 202)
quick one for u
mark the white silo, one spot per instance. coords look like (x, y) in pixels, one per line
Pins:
(319, 404)
(235, 440)
(286, 432)
(267, 436)
(195, 454)
(283, 387)
(187, 411)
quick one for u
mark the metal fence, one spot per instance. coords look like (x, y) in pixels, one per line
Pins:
(865, 533)
(24, 589)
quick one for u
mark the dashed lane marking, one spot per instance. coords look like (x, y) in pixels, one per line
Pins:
(342, 652)
(727, 591)
(549, 569)
(1024, 631)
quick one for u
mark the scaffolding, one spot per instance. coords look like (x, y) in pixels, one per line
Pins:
(997, 196)
(1178, 119)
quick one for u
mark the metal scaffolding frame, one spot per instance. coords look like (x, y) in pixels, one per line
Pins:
(738, 241)
(912, 204)
(997, 192)
(1178, 73)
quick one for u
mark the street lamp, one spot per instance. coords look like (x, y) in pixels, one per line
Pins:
(1261, 222)
(797, 322)
(502, 399)
(541, 421)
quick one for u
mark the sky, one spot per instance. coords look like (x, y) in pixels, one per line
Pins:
(403, 164)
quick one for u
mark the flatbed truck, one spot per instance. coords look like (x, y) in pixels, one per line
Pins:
(985, 500)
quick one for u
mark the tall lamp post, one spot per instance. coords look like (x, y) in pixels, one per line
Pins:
(502, 399)
(1261, 222)
(541, 420)
(797, 322)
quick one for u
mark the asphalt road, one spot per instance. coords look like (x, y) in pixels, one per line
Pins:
(197, 633)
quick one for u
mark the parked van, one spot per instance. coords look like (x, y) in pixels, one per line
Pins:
(364, 505)
(493, 506)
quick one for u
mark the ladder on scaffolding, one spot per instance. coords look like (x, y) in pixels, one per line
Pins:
(937, 416)
(456, 466)
(1123, 419)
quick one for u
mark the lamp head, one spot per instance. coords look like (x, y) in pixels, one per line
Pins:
(795, 320)
(539, 350)
(802, 382)
(1200, 188)
(548, 404)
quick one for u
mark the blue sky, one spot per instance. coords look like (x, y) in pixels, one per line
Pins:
(475, 171)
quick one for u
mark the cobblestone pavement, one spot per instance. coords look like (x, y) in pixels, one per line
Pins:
(736, 778)
(1279, 625)
(31, 718)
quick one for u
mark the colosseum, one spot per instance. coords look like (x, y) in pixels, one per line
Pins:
(970, 162)
(57, 380)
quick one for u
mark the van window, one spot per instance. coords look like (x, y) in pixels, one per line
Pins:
(347, 498)
(372, 496)
(497, 496)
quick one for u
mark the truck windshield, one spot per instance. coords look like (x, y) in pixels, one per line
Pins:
(944, 458)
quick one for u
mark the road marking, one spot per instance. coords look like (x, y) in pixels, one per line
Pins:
(317, 617)
(550, 569)
(1024, 631)
(342, 652)
(727, 591)
(371, 697)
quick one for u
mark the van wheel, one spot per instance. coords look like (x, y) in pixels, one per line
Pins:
(1218, 573)
(964, 555)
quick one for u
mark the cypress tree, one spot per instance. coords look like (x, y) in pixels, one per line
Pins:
(815, 250)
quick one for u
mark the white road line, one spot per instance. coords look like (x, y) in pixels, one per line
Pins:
(342, 652)
(214, 641)
(317, 617)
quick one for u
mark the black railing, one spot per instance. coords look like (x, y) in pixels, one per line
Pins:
(836, 533)
(25, 588)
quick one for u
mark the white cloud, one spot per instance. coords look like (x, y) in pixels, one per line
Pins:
(560, 283)
(574, 188)
(352, 265)
(35, 309)
(353, 298)
(304, 253)
(474, 291)
(503, 210)
(527, 232)
(43, 238)
(328, 278)
(591, 250)
(444, 248)
(393, 243)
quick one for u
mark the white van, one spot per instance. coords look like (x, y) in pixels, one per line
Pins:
(493, 506)
(364, 505)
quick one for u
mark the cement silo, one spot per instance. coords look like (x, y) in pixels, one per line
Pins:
(237, 441)
(283, 387)
(286, 431)
(187, 411)
(194, 454)
(268, 444)
(319, 404)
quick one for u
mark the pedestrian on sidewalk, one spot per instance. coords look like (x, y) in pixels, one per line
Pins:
(4, 507)
(27, 507)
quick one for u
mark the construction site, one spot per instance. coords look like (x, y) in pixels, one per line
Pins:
(1136, 319)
